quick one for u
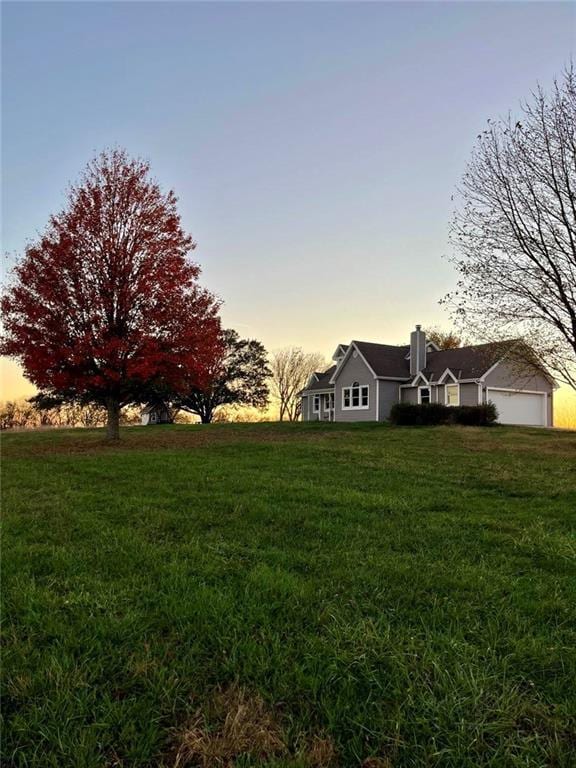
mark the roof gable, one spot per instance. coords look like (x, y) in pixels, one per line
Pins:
(321, 379)
(385, 360)
(430, 346)
(470, 362)
(447, 373)
(352, 351)
(418, 378)
(150, 408)
(340, 351)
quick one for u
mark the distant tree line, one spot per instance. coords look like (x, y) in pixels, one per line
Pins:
(26, 414)
(241, 387)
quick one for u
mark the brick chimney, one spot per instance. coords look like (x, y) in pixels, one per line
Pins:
(417, 351)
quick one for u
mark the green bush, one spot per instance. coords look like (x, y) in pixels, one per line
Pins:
(430, 414)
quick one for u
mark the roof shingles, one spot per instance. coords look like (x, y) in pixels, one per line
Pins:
(389, 361)
(323, 381)
(385, 359)
(463, 362)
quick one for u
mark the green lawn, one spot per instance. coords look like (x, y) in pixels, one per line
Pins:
(290, 595)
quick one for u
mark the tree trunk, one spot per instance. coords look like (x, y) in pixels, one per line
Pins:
(206, 417)
(113, 423)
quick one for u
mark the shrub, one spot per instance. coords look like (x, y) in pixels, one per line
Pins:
(411, 415)
(475, 415)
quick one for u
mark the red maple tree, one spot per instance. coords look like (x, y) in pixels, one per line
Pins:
(107, 303)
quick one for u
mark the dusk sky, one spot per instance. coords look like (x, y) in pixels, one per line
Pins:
(314, 147)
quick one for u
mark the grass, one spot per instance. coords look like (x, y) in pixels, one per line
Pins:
(289, 595)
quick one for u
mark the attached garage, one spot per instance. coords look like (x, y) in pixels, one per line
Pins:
(519, 407)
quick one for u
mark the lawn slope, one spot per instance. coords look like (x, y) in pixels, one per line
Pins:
(289, 595)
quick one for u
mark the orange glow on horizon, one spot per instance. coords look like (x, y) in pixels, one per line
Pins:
(14, 386)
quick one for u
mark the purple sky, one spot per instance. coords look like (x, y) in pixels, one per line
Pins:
(314, 146)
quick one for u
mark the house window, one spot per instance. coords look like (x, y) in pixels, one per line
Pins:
(424, 395)
(452, 394)
(329, 402)
(355, 397)
(316, 404)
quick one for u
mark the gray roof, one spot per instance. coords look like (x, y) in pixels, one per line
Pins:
(154, 407)
(386, 359)
(465, 362)
(323, 380)
(390, 361)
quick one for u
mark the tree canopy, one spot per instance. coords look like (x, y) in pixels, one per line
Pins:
(443, 339)
(107, 302)
(238, 377)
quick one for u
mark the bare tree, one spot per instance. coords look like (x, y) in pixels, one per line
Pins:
(444, 339)
(54, 411)
(7, 413)
(90, 415)
(291, 368)
(40, 411)
(515, 231)
(15, 413)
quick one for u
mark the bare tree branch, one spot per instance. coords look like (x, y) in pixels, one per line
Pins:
(514, 233)
(291, 368)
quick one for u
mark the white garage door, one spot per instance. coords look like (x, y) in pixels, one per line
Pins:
(518, 407)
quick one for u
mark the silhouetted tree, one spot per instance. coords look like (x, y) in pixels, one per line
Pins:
(515, 231)
(238, 378)
(107, 302)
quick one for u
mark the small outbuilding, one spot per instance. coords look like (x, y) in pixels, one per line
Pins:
(155, 414)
